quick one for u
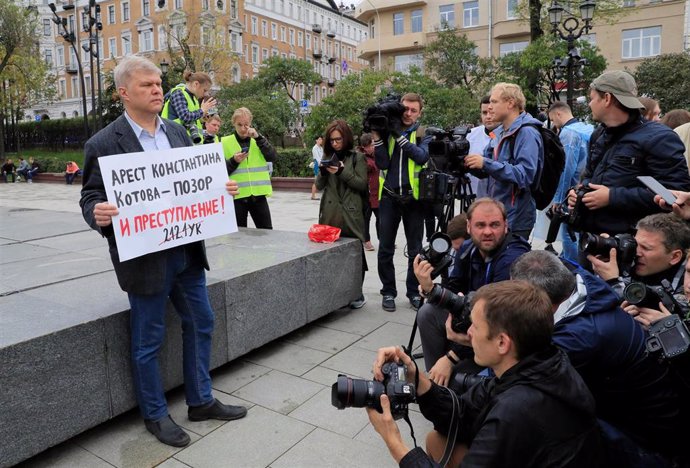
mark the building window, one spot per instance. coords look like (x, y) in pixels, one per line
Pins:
(415, 21)
(308, 41)
(125, 11)
(254, 26)
(146, 7)
(291, 36)
(75, 87)
(236, 74)
(300, 39)
(447, 13)
(112, 47)
(470, 14)
(126, 45)
(283, 37)
(63, 89)
(398, 24)
(233, 9)
(178, 4)
(111, 14)
(403, 63)
(511, 47)
(591, 38)
(628, 3)
(47, 28)
(204, 5)
(146, 41)
(264, 28)
(264, 54)
(60, 56)
(511, 12)
(372, 28)
(48, 57)
(234, 42)
(274, 31)
(255, 54)
(87, 85)
(642, 42)
(162, 38)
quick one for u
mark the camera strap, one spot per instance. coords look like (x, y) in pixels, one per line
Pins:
(453, 428)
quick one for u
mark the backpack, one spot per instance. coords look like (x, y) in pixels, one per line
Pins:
(545, 188)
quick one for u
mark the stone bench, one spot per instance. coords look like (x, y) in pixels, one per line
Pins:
(64, 322)
(54, 178)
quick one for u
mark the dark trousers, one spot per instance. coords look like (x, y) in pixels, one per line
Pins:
(257, 207)
(432, 213)
(368, 210)
(391, 212)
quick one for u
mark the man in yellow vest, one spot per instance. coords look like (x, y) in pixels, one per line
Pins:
(247, 154)
(400, 159)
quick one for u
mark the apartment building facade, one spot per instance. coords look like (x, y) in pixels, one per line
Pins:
(230, 39)
(399, 30)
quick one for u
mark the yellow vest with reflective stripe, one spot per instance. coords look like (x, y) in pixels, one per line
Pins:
(192, 105)
(252, 173)
(413, 169)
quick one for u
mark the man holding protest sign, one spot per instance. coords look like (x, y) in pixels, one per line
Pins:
(150, 279)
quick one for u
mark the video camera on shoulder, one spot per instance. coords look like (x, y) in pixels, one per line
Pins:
(385, 116)
(358, 393)
(625, 245)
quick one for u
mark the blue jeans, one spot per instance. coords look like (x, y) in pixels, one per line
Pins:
(185, 285)
(391, 212)
(569, 246)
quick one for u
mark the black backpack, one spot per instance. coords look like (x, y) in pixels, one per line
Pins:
(545, 188)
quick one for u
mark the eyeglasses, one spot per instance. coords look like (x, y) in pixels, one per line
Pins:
(336, 139)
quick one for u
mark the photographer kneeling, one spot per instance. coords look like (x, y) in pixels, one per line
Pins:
(661, 239)
(484, 259)
(536, 412)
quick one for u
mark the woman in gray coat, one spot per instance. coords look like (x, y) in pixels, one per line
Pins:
(343, 179)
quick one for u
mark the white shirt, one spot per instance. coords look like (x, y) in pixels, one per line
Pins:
(157, 141)
(478, 142)
(317, 153)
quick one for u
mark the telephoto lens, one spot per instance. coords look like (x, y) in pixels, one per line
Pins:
(356, 393)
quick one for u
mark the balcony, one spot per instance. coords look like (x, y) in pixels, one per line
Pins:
(71, 68)
(317, 55)
(365, 10)
(331, 83)
(410, 42)
(332, 59)
(331, 34)
(316, 28)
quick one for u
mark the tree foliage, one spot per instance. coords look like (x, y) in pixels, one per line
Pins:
(288, 74)
(666, 78)
(452, 59)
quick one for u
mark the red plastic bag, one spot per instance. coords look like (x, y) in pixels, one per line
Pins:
(324, 233)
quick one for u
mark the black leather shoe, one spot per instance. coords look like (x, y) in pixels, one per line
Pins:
(388, 303)
(168, 432)
(216, 410)
(416, 302)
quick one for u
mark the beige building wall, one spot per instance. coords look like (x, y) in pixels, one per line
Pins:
(496, 29)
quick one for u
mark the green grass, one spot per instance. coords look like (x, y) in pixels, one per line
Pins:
(41, 154)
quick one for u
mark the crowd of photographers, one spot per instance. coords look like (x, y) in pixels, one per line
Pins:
(534, 359)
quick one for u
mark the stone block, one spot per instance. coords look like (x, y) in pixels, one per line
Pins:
(54, 388)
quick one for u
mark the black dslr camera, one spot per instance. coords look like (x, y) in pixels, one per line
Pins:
(437, 253)
(459, 307)
(194, 133)
(447, 153)
(385, 116)
(560, 213)
(358, 393)
(625, 245)
(462, 382)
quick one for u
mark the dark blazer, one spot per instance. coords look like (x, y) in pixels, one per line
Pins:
(145, 274)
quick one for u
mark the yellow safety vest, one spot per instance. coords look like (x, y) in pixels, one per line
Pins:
(252, 173)
(413, 169)
(192, 105)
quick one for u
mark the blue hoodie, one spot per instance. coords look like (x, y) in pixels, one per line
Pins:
(511, 177)
(633, 392)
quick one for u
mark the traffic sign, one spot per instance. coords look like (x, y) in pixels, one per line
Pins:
(303, 103)
(344, 65)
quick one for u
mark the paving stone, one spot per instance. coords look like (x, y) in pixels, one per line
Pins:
(254, 441)
(287, 357)
(321, 338)
(322, 375)
(278, 391)
(353, 362)
(67, 455)
(420, 424)
(26, 224)
(324, 449)
(236, 375)
(125, 443)
(80, 241)
(318, 411)
(23, 252)
(172, 463)
(390, 334)
(358, 322)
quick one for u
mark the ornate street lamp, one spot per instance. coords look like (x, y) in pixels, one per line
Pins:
(92, 27)
(570, 29)
(71, 38)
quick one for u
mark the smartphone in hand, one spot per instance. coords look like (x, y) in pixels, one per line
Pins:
(654, 185)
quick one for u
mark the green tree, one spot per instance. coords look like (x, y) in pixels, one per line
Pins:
(452, 59)
(666, 78)
(288, 75)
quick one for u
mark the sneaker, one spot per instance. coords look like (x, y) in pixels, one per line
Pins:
(358, 303)
(416, 302)
(368, 246)
(388, 303)
(216, 410)
(30, 181)
(168, 432)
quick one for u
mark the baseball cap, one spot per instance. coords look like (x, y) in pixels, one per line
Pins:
(622, 85)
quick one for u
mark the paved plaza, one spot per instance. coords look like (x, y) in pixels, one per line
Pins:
(285, 384)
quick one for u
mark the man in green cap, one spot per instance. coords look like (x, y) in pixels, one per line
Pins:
(623, 147)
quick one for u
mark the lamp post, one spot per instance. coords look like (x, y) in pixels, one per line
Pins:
(71, 38)
(570, 29)
(378, 34)
(164, 74)
(92, 26)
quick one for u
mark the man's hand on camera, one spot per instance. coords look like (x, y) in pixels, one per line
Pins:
(440, 373)
(455, 337)
(387, 428)
(422, 270)
(474, 161)
(572, 198)
(644, 315)
(606, 270)
(597, 198)
(397, 355)
(681, 207)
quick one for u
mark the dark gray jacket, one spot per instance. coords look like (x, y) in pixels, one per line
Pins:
(145, 274)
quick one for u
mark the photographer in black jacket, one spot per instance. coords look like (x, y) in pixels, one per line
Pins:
(536, 412)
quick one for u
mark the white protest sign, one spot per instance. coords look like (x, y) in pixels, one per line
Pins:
(168, 198)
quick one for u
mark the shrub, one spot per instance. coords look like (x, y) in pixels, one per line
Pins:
(293, 162)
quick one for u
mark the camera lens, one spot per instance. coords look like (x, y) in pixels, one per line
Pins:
(440, 243)
(635, 293)
(356, 393)
(597, 245)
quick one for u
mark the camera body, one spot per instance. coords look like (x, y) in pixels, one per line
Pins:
(357, 393)
(462, 382)
(642, 295)
(625, 245)
(560, 213)
(437, 253)
(385, 116)
(194, 133)
(459, 307)
(449, 148)
(669, 336)
(209, 139)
